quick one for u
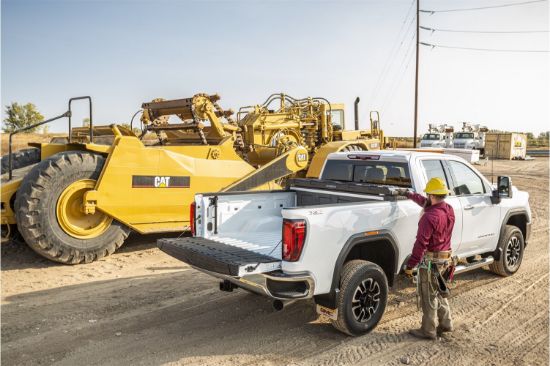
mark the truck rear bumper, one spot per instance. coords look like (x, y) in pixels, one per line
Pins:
(276, 284)
(249, 270)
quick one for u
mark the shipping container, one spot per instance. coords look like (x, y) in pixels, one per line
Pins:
(505, 145)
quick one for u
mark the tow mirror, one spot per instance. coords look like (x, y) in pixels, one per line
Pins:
(504, 186)
(504, 189)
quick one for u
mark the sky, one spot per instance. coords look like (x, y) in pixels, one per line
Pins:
(124, 52)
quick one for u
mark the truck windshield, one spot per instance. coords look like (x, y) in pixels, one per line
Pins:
(464, 135)
(431, 136)
(375, 172)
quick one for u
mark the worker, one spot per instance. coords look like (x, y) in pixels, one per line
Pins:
(432, 255)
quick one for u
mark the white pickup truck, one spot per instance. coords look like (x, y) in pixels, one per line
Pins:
(343, 238)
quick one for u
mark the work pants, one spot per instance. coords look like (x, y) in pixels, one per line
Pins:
(434, 307)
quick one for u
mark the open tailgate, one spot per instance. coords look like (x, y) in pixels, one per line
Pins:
(231, 257)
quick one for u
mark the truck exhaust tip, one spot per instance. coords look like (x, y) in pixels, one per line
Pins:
(278, 305)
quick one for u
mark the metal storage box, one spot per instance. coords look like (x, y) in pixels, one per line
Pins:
(506, 145)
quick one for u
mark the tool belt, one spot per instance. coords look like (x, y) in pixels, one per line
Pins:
(440, 266)
(444, 255)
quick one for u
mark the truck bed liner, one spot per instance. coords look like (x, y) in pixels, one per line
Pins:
(212, 255)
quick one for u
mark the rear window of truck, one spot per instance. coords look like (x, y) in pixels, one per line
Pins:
(374, 172)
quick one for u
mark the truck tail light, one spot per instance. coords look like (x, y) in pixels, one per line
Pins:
(294, 235)
(192, 209)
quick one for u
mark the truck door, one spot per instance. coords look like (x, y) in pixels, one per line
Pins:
(480, 218)
(433, 168)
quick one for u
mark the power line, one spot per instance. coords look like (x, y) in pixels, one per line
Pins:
(483, 7)
(393, 53)
(400, 73)
(481, 49)
(476, 31)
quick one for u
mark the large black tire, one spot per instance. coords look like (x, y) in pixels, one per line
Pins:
(362, 299)
(512, 245)
(36, 205)
(20, 159)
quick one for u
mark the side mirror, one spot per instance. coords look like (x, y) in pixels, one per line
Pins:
(504, 186)
(504, 189)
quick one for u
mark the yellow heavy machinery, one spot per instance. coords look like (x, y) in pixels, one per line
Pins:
(283, 122)
(81, 197)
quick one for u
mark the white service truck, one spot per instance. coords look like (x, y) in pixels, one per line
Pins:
(342, 239)
(471, 137)
(438, 137)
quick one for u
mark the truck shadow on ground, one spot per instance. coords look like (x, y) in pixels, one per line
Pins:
(167, 317)
(18, 255)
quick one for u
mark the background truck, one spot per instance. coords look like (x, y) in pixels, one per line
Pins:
(471, 137)
(343, 238)
(438, 136)
(76, 200)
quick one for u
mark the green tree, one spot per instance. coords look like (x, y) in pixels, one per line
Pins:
(543, 138)
(19, 116)
(86, 122)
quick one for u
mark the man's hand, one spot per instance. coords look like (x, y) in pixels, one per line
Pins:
(400, 191)
(409, 272)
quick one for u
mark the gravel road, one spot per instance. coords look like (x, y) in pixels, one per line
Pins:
(141, 307)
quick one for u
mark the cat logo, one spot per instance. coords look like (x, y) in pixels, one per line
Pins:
(162, 182)
(301, 157)
(159, 181)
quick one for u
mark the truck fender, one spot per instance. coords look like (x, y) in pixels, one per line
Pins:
(513, 215)
(329, 300)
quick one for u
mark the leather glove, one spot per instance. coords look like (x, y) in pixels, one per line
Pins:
(400, 191)
(409, 272)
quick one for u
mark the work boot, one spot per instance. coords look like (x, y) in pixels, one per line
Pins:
(420, 333)
(441, 329)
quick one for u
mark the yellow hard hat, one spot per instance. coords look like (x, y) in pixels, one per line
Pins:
(436, 186)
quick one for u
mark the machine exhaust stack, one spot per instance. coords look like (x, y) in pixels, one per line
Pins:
(356, 113)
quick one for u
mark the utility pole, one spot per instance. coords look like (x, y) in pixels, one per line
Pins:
(416, 74)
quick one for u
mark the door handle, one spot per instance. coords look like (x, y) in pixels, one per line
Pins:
(468, 207)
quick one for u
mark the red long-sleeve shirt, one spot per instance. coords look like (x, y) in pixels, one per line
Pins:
(435, 228)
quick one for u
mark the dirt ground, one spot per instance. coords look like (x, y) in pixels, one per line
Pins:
(141, 307)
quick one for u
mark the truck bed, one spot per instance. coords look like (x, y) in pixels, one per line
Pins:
(240, 233)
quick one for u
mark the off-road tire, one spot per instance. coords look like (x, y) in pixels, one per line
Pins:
(20, 159)
(35, 207)
(353, 273)
(512, 237)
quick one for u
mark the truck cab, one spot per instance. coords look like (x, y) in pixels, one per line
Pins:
(433, 139)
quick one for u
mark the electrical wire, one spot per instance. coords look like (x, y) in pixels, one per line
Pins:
(482, 7)
(394, 51)
(476, 31)
(405, 62)
(482, 49)
(402, 50)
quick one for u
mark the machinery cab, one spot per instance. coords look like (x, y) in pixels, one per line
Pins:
(337, 117)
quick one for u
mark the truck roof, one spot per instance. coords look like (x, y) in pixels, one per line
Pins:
(384, 155)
